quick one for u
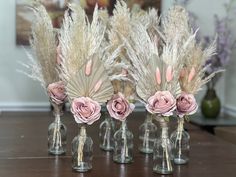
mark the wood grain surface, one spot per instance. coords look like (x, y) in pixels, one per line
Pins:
(23, 151)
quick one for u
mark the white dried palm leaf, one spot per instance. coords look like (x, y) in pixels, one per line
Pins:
(90, 81)
(43, 43)
(148, 61)
(80, 39)
(140, 48)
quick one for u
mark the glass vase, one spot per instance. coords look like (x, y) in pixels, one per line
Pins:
(181, 140)
(82, 151)
(147, 135)
(106, 133)
(210, 105)
(162, 152)
(57, 133)
(123, 141)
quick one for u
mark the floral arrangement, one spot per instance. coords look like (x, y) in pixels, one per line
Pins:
(117, 65)
(87, 83)
(44, 67)
(225, 41)
(120, 59)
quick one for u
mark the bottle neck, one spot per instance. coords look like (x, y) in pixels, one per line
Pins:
(148, 118)
(57, 109)
(210, 94)
(82, 131)
(124, 125)
(57, 118)
(164, 129)
(180, 127)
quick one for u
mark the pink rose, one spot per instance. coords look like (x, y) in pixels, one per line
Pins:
(162, 103)
(119, 107)
(85, 110)
(186, 104)
(56, 92)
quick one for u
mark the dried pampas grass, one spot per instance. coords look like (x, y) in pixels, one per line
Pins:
(43, 42)
(79, 39)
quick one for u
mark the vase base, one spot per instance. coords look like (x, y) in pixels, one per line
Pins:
(146, 150)
(56, 152)
(107, 148)
(162, 171)
(180, 161)
(119, 159)
(84, 167)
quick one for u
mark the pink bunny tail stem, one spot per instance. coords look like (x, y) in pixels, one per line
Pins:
(158, 76)
(88, 68)
(191, 74)
(98, 85)
(169, 75)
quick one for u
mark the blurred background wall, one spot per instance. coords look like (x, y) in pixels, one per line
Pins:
(18, 92)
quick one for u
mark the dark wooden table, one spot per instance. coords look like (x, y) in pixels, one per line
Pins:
(209, 124)
(23, 151)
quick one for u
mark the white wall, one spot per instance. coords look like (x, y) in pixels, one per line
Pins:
(19, 92)
(16, 90)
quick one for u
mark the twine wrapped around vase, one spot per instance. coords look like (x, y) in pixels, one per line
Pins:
(57, 133)
(179, 134)
(164, 138)
(82, 139)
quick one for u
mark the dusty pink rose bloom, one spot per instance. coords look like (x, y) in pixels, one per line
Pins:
(56, 92)
(186, 104)
(85, 110)
(119, 107)
(163, 103)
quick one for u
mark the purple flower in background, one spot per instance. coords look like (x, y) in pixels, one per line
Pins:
(225, 44)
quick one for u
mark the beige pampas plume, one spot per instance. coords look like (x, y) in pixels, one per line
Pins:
(120, 27)
(175, 25)
(79, 39)
(177, 30)
(82, 54)
(153, 71)
(193, 75)
(120, 23)
(43, 43)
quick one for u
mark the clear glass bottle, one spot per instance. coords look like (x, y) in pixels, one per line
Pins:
(123, 149)
(181, 140)
(57, 133)
(106, 133)
(82, 151)
(147, 135)
(162, 152)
